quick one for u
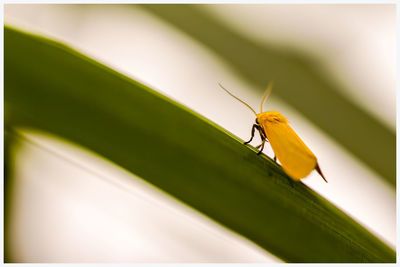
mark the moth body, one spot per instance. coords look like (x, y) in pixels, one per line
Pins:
(296, 158)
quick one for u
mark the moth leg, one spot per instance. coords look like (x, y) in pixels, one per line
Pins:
(262, 147)
(252, 133)
(266, 140)
(263, 138)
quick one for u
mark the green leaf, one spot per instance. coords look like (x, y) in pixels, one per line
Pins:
(299, 80)
(51, 87)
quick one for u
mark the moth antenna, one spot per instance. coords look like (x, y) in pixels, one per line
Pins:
(266, 94)
(237, 98)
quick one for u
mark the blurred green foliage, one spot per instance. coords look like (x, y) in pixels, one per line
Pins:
(299, 80)
(53, 88)
(10, 150)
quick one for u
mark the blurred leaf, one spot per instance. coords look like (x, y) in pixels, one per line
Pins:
(299, 81)
(10, 146)
(51, 87)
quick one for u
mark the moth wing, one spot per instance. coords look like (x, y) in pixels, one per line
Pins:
(296, 158)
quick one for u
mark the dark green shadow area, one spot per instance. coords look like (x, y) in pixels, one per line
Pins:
(299, 81)
(50, 87)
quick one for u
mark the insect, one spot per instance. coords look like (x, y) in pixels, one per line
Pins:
(296, 158)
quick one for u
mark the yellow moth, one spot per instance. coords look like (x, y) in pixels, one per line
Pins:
(296, 158)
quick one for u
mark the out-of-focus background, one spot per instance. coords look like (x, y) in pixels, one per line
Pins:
(59, 211)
